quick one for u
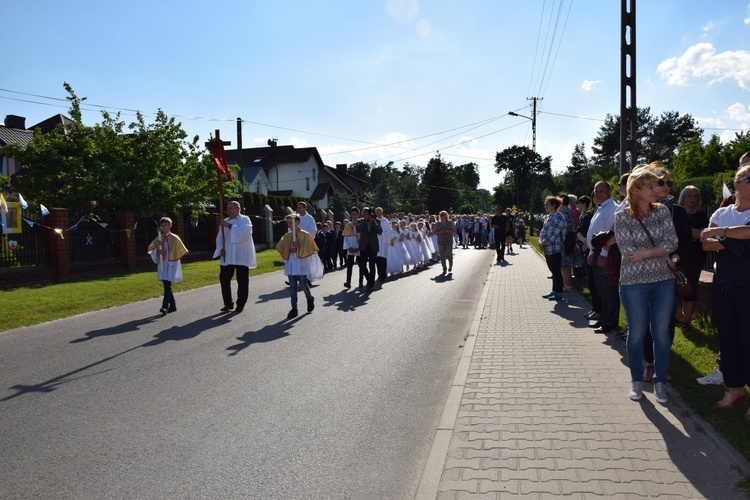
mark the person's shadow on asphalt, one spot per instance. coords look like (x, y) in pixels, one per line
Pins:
(190, 330)
(268, 333)
(347, 300)
(130, 326)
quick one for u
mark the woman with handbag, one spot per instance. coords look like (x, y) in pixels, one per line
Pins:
(730, 293)
(678, 258)
(646, 235)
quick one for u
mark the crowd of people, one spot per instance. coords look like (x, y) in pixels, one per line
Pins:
(629, 252)
(635, 251)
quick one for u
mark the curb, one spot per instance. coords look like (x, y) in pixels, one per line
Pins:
(429, 483)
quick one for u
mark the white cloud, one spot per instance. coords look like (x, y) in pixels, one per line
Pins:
(424, 28)
(589, 85)
(739, 112)
(708, 27)
(747, 19)
(402, 11)
(702, 61)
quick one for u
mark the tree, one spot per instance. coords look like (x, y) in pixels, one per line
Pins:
(383, 183)
(361, 170)
(441, 188)
(341, 202)
(668, 132)
(409, 189)
(153, 168)
(526, 172)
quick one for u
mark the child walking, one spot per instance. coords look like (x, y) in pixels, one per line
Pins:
(166, 251)
(296, 247)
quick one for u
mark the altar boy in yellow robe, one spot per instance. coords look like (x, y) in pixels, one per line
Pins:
(296, 247)
(166, 251)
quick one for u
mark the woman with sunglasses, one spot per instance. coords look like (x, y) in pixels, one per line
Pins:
(730, 293)
(678, 257)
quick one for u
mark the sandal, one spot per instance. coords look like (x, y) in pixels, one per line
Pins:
(730, 398)
(648, 373)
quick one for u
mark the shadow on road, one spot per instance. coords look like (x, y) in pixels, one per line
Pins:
(189, 331)
(130, 326)
(268, 333)
(51, 384)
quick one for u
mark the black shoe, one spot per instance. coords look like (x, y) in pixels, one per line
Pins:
(311, 304)
(347, 285)
(172, 308)
(292, 314)
(227, 308)
(604, 329)
(163, 311)
(596, 325)
(239, 309)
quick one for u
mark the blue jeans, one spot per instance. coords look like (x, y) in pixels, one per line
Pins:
(293, 280)
(648, 305)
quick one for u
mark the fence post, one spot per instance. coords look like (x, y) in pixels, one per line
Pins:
(268, 221)
(125, 220)
(58, 248)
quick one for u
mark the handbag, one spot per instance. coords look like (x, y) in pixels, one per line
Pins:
(569, 244)
(682, 286)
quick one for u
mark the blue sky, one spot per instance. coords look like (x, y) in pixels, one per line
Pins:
(381, 80)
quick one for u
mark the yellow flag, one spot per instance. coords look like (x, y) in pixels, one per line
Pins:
(60, 232)
(3, 203)
(127, 232)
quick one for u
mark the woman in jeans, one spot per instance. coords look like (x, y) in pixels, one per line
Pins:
(646, 235)
(551, 240)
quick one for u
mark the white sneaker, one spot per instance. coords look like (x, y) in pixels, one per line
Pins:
(636, 392)
(713, 378)
(660, 392)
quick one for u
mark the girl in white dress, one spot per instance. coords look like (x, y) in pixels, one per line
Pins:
(424, 243)
(415, 245)
(403, 244)
(394, 262)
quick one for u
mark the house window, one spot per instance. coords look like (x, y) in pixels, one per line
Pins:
(257, 186)
(307, 183)
(313, 174)
(4, 161)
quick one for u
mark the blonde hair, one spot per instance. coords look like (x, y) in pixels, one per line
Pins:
(743, 171)
(639, 179)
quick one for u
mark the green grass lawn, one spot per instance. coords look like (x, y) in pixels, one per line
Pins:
(33, 304)
(694, 353)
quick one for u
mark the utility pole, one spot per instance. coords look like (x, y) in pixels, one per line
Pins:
(628, 108)
(239, 161)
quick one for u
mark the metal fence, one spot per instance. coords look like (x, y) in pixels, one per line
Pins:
(23, 249)
(92, 240)
(197, 235)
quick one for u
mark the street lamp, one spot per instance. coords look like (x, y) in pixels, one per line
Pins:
(533, 148)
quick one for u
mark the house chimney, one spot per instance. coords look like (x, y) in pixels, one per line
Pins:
(14, 121)
(273, 142)
(341, 167)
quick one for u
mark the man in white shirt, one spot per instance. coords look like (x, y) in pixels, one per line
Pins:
(306, 221)
(603, 220)
(235, 246)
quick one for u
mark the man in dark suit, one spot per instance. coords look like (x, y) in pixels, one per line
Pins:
(368, 231)
(331, 255)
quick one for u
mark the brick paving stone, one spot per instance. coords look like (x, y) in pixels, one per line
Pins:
(545, 412)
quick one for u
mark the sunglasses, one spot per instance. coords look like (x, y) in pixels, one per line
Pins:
(661, 183)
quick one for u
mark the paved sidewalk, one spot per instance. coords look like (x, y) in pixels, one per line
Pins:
(539, 408)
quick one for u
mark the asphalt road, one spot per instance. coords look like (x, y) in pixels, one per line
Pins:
(340, 403)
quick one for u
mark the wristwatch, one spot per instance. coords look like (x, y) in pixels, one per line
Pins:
(675, 259)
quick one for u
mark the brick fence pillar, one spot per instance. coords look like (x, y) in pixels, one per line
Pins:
(125, 220)
(58, 249)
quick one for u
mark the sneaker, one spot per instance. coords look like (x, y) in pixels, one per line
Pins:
(713, 378)
(555, 296)
(660, 392)
(311, 304)
(636, 392)
(548, 295)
